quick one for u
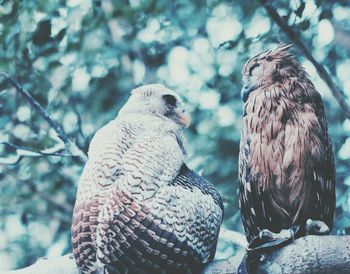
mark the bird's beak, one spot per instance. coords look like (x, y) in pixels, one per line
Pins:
(183, 118)
(246, 90)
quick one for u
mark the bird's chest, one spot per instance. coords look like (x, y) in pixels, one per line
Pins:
(265, 118)
(263, 141)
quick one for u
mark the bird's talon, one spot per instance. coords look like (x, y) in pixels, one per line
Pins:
(265, 233)
(316, 227)
(262, 258)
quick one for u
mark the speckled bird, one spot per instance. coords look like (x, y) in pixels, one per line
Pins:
(286, 169)
(139, 208)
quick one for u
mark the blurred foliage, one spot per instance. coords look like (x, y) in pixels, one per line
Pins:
(80, 59)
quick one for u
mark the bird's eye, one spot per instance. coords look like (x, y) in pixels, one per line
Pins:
(170, 100)
(253, 67)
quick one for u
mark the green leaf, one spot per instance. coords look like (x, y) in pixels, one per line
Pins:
(304, 25)
(299, 11)
(43, 33)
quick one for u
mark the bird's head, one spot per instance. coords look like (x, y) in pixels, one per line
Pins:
(158, 100)
(268, 68)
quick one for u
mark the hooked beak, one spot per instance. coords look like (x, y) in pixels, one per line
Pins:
(183, 118)
(246, 90)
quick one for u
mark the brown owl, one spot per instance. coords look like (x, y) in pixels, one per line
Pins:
(286, 169)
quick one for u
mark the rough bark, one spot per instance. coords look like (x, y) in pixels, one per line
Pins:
(310, 254)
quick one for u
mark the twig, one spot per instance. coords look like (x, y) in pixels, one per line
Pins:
(69, 144)
(26, 152)
(80, 121)
(293, 35)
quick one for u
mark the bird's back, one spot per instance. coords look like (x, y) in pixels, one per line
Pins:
(174, 230)
(174, 233)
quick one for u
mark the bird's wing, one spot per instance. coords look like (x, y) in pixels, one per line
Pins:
(101, 170)
(192, 210)
(124, 221)
(251, 201)
(322, 169)
(308, 161)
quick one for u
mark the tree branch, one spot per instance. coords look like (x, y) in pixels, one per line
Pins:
(57, 150)
(69, 144)
(295, 38)
(309, 254)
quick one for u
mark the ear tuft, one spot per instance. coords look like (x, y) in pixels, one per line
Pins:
(284, 47)
(280, 52)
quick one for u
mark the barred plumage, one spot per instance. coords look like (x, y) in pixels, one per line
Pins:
(139, 209)
(287, 174)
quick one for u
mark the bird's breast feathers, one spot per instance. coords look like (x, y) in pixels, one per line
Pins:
(280, 135)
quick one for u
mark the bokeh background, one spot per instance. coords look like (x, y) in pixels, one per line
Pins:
(80, 59)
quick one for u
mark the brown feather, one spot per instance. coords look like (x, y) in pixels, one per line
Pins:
(284, 142)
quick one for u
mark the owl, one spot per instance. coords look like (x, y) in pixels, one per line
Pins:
(286, 169)
(139, 208)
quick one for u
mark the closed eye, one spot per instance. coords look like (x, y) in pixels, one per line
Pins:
(252, 68)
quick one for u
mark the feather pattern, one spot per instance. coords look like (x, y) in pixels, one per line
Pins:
(138, 207)
(287, 173)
